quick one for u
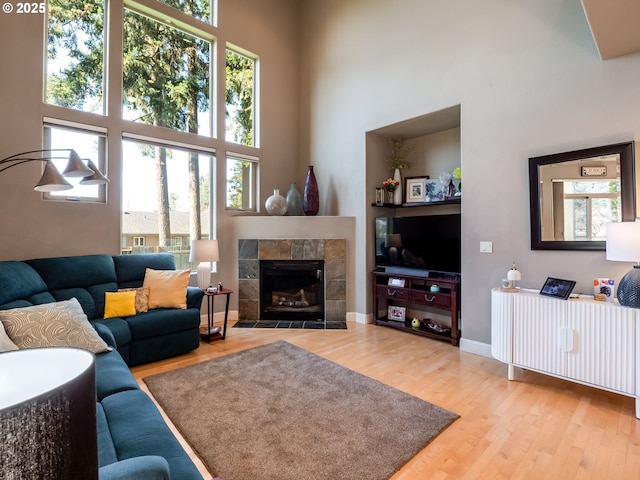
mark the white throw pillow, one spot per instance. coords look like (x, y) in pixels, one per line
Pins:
(59, 324)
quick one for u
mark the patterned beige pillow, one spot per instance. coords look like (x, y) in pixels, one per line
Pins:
(59, 324)
(142, 298)
(6, 345)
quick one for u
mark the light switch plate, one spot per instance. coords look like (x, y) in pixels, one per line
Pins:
(486, 247)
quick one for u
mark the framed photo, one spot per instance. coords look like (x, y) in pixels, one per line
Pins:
(414, 188)
(396, 282)
(556, 287)
(379, 196)
(396, 314)
(433, 191)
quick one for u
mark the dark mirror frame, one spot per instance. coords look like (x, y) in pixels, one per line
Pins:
(627, 192)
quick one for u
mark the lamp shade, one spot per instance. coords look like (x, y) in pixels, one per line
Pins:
(76, 167)
(48, 414)
(623, 241)
(204, 251)
(51, 180)
(97, 178)
(623, 245)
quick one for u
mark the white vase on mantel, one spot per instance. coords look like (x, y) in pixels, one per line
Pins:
(276, 204)
(397, 194)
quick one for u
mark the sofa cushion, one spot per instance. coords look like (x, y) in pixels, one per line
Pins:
(60, 324)
(148, 435)
(19, 281)
(112, 375)
(149, 467)
(119, 304)
(167, 288)
(159, 322)
(106, 450)
(86, 277)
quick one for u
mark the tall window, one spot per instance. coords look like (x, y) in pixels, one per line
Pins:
(166, 193)
(240, 104)
(75, 50)
(165, 76)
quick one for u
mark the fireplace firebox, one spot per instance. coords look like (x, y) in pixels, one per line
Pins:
(292, 290)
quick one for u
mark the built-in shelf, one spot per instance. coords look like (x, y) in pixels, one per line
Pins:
(451, 201)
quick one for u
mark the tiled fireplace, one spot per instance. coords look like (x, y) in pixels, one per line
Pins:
(290, 253)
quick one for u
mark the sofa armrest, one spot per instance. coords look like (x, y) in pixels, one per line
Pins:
(105, 334)
(149, 467)
(194, 297)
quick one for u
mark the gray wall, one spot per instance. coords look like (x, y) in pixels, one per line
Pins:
(529, 81)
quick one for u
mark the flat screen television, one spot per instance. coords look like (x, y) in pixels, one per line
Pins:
(419, 245)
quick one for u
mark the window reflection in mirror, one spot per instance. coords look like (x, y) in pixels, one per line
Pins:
(579, 198)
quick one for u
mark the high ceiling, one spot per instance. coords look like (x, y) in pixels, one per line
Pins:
(614, 24)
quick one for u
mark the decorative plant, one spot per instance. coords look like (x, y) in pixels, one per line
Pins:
(390, 184)
(399, 154)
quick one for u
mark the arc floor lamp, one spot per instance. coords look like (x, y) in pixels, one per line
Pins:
(52, 180)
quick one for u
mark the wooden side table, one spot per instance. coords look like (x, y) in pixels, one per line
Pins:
(207, 334)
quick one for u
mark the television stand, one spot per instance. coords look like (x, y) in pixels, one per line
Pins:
(396, 293)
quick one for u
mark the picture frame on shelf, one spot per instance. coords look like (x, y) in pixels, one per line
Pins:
(415, 189)
(433, 191)
(379, 196)
(395, 313)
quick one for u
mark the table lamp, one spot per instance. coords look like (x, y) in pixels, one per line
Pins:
(48, 414)
(203, 252)
(623, 245)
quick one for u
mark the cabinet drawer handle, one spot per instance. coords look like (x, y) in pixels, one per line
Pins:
(391, 293)
(429, 299)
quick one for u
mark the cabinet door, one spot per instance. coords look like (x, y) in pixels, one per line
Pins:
(537, 325)
(603, 350)
(501, 325)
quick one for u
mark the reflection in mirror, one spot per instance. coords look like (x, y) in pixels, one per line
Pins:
(575, 194)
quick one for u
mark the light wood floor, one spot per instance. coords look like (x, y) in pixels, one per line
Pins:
(535, 427)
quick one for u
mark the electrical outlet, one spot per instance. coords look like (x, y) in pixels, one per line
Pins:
(486, 247)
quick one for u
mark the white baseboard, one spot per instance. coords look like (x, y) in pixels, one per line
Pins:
(479, 348)
(363, 318)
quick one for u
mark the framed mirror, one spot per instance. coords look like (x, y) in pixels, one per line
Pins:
(575, 194)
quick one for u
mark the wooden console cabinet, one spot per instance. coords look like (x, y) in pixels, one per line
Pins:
(581, 340)
(416, 294)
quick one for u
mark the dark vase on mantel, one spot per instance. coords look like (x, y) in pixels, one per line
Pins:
(311, 199)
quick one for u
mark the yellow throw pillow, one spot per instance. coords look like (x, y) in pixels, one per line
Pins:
(167, 288)
(119, 304)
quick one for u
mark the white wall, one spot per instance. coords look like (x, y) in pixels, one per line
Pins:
(529, 81)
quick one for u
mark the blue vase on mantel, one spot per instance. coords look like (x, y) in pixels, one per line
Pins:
(294, 201)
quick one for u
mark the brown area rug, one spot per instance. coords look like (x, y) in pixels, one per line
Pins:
(278, 412)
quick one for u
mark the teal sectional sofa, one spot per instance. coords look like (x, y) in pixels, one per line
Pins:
(134, 442)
